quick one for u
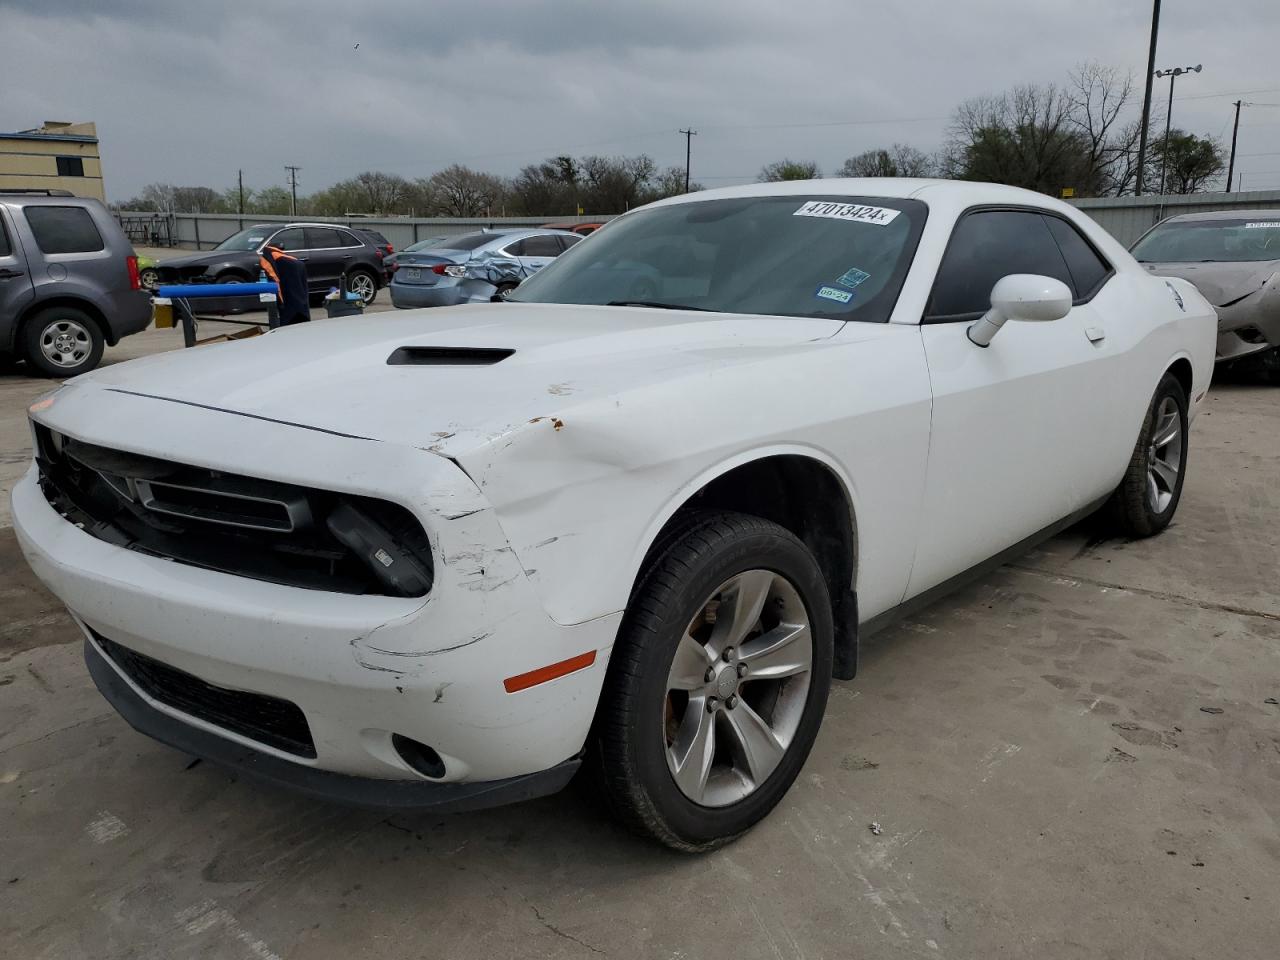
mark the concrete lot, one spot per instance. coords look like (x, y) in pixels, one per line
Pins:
(1073, 758)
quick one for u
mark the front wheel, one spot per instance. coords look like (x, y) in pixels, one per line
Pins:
(717, 683)
(1148, 496)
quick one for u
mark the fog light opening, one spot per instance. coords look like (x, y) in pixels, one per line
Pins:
(419, 756)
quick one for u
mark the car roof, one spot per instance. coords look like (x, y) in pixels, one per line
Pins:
(58, 200)
(1226, 215)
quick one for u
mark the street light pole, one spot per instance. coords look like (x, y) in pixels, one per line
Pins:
(1146, 99)
(1173, 75)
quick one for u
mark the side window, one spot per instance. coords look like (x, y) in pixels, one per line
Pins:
(64, 229)
(290, 239)
(348, 240)
(322, 238)
(70, 166)
(1087, 267)
(547, 245)
(5, 249)
(514, 249)
(984, 247)
(570, 241)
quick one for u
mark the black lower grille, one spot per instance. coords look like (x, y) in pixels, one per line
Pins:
(268, 720)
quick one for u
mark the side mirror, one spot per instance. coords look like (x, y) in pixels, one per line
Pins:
(1021, 296)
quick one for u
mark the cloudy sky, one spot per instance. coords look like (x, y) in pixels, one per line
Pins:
(188, 92)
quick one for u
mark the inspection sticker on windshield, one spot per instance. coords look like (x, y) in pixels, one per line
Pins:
(833, 293)
(852, 212)
(852, 277)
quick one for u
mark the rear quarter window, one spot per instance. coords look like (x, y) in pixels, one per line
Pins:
(5, 248)
(64, 229)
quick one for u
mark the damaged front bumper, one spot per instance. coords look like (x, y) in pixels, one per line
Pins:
(361, 670)
(1251, 324)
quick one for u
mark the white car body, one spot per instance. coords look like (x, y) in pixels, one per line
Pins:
(543, 480)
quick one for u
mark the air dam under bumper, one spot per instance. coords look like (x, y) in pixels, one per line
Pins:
(319, 784)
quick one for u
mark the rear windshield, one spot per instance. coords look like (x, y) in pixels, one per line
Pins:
(805, 256)
(465, 241)
(64, 229)
(1210, 241)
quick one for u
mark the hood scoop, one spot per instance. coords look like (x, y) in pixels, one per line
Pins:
(447, 356)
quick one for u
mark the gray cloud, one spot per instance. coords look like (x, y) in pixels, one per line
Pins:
(190, 93)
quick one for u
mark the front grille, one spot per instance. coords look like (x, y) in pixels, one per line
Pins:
(261, 529)
(268, 720)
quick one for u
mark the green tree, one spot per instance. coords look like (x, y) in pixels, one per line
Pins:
(1190, 163)
(269, 200)
(789, 170)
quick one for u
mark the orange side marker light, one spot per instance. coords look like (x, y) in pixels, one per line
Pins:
(552, 671)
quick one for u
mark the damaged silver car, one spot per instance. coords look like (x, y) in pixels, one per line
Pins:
(1234, 260)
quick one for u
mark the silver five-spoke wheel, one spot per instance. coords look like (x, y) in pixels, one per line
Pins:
(1164, 455)
(363, 286)
(65, 343)
(737, 688)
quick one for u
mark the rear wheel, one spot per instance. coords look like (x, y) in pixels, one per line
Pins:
(62, 342)
(363, 285)
(1148, 496)
(717, 684)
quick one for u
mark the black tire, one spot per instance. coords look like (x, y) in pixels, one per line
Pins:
(503, 289)
(627, 751)
(1135, 508)
(149, 277)
(79, 331)
(364, 275)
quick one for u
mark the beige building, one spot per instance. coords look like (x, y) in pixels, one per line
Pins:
(55, 156)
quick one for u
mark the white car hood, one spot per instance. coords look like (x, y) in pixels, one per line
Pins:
(334, 375)
(1221, 283)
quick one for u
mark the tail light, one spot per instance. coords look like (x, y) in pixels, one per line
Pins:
(390, 249)
(449, 270)
(135, 281)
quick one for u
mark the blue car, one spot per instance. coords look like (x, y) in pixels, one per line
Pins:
(474, 267)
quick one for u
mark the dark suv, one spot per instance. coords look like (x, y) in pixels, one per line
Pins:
(329, 251)
(68, 281)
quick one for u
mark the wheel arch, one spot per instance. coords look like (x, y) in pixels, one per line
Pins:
(801, 489)
(91, 309)
(1181, 368)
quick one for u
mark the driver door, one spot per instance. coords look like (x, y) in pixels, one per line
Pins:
(1017, 428)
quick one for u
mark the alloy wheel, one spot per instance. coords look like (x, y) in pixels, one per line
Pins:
(1164, 456)
(361, 284)
(65, 343)
(737, 688)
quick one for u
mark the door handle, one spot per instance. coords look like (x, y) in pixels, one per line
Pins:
(346, 256)
(9, 274)
(1095, 334)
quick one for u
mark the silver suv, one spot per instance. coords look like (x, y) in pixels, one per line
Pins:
(68, 281)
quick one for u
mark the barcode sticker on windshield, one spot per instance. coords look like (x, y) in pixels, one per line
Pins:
(852, 212)
(1263, 225)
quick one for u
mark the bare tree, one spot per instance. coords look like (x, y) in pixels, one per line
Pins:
(459, 191)
(900, 160)
(1098, 94)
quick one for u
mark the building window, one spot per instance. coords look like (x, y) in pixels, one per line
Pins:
(70, 167)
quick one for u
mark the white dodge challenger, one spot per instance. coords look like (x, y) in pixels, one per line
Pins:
(635, 517)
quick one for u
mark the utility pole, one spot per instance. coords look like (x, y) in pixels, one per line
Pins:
(293, 188)
(1146, 99)
(240, 181)
(1235, 129)
(1173, 75)
(688, 152)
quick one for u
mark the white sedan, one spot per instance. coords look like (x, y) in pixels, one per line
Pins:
(636, 517)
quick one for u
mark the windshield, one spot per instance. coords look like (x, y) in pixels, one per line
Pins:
(249, 239)
(1202, 241)
(804, 256)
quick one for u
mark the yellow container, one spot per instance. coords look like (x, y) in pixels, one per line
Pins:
(163, 314)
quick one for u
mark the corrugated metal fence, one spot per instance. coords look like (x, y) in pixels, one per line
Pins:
(1126, 218)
